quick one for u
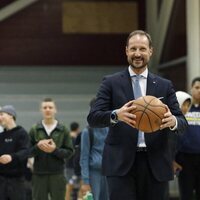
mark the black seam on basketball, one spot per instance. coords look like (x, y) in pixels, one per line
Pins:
(146, 108)
(149, 101)
(148, 119)
(153, 112)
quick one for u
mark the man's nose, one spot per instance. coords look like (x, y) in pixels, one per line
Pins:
(137, 52)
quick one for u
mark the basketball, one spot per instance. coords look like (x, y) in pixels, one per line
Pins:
(149, 113)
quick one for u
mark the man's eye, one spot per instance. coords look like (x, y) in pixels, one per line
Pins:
(143, 49)
(133, 49)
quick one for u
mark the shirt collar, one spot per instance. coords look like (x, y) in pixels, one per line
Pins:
(132, 73)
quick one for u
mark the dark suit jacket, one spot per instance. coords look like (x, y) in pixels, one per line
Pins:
(121, 142)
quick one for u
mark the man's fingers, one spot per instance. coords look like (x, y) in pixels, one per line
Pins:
(132, 107)
(131, 124)
(128, 104)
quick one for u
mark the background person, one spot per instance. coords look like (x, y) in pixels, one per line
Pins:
(91, 162)
(51, 145)
(14, 144)
(137, 165)
(73, 180)
(188, 155)
(185, 101)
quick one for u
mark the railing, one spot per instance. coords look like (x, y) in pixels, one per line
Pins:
(14, 7)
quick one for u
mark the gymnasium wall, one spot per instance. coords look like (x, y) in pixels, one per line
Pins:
(38, 35)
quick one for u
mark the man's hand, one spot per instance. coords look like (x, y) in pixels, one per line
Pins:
(85, 188)
(169, 120)
(5, 159)
(124, 113)
(47, 145)
(176, 167)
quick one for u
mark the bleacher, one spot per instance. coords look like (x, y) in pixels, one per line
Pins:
(71, 88)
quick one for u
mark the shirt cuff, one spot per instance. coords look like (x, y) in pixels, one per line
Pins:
(176, 125)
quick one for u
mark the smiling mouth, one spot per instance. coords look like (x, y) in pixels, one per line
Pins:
(137, 61)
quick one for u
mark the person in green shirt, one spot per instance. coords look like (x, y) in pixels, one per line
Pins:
(51, 145)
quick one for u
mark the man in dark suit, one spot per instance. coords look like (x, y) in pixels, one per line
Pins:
(138, 166)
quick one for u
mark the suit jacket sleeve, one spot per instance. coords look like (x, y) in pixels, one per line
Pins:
(99, 115)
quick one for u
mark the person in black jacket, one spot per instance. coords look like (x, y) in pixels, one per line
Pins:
(14, 144)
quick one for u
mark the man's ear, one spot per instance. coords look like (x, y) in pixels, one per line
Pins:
(126, 50)
(151, 51)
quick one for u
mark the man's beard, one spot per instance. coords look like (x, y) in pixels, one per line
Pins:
(131, 63)
(136, 67)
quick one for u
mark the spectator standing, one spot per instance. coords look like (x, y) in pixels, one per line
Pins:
(51, 145)
(14, 144)
(91, 162)
(188, 155)
(185, 101)
(72, 190)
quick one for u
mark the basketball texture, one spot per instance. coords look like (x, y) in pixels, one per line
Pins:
(149, 113)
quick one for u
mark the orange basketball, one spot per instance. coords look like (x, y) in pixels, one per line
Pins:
(149, 113)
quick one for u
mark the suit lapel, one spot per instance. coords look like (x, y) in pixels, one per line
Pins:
(127, 88)
(127, 85)
(151, 84)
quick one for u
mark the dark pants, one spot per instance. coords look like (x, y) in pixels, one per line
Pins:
(189, 177)
(12, 188)
(49, 185)
(28, 189)
(138, 184)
